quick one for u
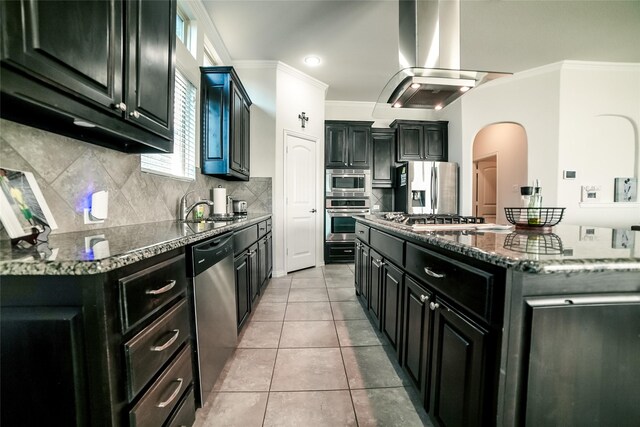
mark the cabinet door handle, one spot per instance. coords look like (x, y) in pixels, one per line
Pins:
(171, 398)
(433, 273)
(348, 251)
(120, 106)
(361, 231)
(166, 345)
(313, 211)
(135, 114)
(424, 298)
(163, 289)
(434, 305)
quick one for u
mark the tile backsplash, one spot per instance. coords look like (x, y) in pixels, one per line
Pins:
(68, 171)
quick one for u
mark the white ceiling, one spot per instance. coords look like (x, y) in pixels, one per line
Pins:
(358, 39)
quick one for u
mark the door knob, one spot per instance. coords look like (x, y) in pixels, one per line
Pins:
(313, 211)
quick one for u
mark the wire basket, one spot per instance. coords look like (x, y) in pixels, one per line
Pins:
(535, 218)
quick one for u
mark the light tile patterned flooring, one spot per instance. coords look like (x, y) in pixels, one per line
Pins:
(310, 357)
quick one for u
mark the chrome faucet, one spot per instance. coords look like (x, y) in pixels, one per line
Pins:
(185, 211)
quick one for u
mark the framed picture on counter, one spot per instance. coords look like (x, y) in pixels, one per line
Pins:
(626, 190)
(23, 209)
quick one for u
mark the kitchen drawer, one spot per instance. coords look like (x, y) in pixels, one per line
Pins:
(362, 232)
(144, 292)
(150, 349)
(244, 238)
(340, 252)
(269, 225)
(464, 284)
(391, 247)
(185, 413)
(262, 229)
(163, 396)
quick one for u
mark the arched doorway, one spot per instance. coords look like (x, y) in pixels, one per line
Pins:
(500, 169)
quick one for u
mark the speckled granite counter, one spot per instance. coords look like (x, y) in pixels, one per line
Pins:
(102, 250)
(567, 249)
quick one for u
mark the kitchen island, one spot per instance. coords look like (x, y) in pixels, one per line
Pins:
(96, 326)
(509, 327)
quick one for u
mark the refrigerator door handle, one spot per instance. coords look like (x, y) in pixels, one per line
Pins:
(434, 189)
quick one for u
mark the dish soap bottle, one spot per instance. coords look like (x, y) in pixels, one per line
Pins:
(535, 203)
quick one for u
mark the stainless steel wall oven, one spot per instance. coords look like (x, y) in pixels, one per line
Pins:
(340, 226)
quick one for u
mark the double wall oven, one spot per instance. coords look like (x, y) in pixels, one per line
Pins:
(348, 193)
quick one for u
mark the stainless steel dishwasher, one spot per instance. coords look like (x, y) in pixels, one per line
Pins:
(214, 302)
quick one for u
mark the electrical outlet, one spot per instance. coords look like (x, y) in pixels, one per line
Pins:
(376, 207)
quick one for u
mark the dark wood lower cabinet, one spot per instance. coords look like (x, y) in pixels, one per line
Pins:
(241, 266)
(457, 369)
(51, 354)
(375, 286)
(392, 283)
(362, 266)
(254, 272)
(416, 342)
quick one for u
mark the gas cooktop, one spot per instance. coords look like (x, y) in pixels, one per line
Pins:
(413, 219)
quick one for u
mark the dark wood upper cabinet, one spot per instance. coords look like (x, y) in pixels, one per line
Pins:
(420, 140)
(150, 65)
(336, 145)
(107, 63)
(383, 150)
(225, 122)
(347, 144)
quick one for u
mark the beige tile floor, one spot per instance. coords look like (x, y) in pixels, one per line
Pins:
(310, 357)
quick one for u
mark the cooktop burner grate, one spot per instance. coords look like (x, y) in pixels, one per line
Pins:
(432, 219)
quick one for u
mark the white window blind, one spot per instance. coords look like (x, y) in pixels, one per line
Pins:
(181, 163)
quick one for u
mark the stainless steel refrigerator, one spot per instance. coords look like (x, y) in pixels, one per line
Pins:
(427, 188)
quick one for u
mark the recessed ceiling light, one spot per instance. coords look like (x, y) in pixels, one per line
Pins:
(312, 61)
(397, 105)
(464, 88)
(415, 85)
(438, 107)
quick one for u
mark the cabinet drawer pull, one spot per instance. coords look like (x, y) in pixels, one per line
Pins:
(170, 284)
(347, 251)
(361, 231)
(173, 395)
(433, 273)
(424, 298)
(166, 345)
(434, 305)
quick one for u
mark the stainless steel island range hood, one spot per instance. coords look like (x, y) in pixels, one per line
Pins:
(429, 57)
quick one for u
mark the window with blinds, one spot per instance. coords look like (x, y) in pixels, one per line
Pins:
(182, 162)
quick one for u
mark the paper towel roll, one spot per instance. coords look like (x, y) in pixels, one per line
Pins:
(219, 201)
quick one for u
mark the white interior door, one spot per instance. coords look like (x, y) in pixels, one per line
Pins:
(486, 189)
(300, 199)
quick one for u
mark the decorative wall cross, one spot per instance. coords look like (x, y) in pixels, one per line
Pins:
(304, 119)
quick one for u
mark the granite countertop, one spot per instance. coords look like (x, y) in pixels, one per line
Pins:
(101, 250)
(565, 249)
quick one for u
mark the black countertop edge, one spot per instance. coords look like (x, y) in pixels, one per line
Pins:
(66, 254)
(504, 257)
